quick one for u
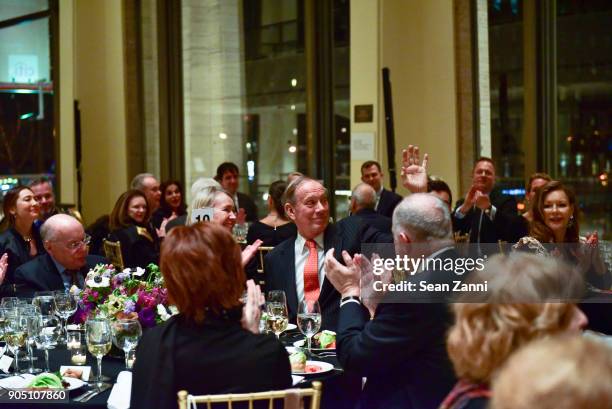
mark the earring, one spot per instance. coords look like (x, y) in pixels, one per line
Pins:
(571, 222)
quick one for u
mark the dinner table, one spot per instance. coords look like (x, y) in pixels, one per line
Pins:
(340, 390)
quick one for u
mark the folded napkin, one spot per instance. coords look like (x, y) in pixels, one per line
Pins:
(296, 379)
(120, 395)
(15, 382)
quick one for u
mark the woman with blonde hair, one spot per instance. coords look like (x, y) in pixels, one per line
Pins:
(558, 373)
(528, 297)
(224, 214)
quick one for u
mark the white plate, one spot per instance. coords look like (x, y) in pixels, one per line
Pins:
(325, 367)
(302, 344)
(290, 327)
(74, 383)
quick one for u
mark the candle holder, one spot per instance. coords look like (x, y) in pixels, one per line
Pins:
(73, 340)
(78, 356)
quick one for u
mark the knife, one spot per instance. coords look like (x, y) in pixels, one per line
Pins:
(96, 392)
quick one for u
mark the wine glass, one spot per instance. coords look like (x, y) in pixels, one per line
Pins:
(126, 333)
(276, 306)
(309, 319)
(15, 335)
(50, 330)
(99, 336)
(31, 321)
(65, 305)
(45, 301)
(4, 312)
(9, 302)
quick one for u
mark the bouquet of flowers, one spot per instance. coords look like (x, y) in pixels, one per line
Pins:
(125, 294)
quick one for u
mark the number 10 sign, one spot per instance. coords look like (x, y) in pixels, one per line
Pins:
(204, 214)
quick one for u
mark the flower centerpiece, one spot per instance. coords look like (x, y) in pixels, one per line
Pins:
(125, 294)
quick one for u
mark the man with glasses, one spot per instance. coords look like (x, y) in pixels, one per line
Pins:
(66, 263)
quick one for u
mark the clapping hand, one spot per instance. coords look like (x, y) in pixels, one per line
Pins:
(344, 278)
(470, 200)
(414, 175)
(249, 252)
(369, 297)
(251, 312)
(3, 266)
(481, 200)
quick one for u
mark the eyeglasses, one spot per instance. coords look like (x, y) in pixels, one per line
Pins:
(75, 245)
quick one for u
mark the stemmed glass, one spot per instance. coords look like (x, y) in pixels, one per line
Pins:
(32, 325)
(309, 319)
(126, 334)
(45, 301)
(276, 306)
(65, 305)
(99, 336)
(4, 312)
(49, 330)
(15, 334)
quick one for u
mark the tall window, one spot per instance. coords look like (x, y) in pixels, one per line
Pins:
(573, 108)
(27, 147)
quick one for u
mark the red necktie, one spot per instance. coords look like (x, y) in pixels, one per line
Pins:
(311, 272)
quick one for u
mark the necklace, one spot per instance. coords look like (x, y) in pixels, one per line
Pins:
(27, 238)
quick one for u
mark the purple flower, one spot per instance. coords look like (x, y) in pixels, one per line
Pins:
(130, 306)
(147, 317)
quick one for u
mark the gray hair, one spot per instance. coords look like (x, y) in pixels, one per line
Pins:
(424, 215)
(205, 197)
(138, 181)
(289, 195)
(203, 183)
(49, 229)
(364, 196)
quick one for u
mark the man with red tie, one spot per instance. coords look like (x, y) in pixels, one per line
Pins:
(296, 265)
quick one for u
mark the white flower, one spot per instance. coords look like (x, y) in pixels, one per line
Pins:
(162, 312)
(98, 282)
(139, 272)
(173, 310)
(127, 271)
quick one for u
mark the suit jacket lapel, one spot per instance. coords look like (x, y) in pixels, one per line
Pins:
(330, 240)
(288, 256)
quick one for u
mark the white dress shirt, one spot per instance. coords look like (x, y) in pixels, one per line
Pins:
(301, 255)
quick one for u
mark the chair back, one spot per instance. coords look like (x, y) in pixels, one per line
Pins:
(112, 250)
(461, 238)
(186, 401)
(261, 253)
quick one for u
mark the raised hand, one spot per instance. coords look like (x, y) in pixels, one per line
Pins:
(414, 173)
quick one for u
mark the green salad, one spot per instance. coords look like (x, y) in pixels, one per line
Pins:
(47, 380)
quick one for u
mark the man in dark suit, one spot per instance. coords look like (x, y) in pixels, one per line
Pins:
(486, 214)
(66, 262)
(401, 348)
(296, 265)
(363, 201)
(386, 200)
(227, 176)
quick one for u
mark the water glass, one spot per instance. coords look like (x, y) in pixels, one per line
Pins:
(65, 305)
(309, 319)
(32, 324)
(126, 333)
(49, 331)
(15, 335)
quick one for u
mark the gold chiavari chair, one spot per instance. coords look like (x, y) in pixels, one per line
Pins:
(112, 250)
(461, 238)
(185, 401)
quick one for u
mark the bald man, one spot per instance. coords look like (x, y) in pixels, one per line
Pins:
(363, 203)
(66, 262)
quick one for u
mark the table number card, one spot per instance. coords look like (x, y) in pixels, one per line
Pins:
(5, 363)
(204, 214)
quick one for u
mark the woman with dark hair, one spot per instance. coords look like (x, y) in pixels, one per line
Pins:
(171, 205)
(21, 239)
(129, 224)
(275, 227)
(212, 345)
(555, 231)
(272, 229)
